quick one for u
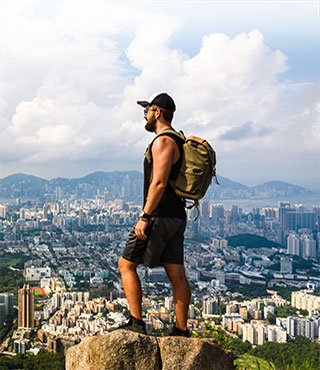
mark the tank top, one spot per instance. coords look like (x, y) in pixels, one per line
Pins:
(170, 205)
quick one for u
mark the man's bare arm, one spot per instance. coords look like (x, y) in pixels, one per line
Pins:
(165, 152)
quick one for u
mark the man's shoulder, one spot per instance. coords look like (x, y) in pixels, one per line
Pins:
(165, 139)
(169, 136)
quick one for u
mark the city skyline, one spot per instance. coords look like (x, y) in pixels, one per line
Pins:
(244, 266)
(244, 75)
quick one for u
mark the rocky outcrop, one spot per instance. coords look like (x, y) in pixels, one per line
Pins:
(125, 350)
(193, 354)
(120, 349)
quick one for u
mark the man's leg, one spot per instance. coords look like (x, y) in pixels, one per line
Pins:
(181, 293)
(132, 286)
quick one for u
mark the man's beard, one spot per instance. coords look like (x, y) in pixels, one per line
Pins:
(151, 124)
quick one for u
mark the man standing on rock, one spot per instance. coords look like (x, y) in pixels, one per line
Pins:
(157, 238)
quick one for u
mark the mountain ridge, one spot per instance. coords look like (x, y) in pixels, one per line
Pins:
(224, 181)
(128, 185)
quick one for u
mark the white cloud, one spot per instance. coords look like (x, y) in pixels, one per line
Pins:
(71, 74)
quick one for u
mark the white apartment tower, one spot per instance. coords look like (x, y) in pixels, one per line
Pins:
(293, 244)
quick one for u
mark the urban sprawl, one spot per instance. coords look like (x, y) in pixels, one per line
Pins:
(73, 288)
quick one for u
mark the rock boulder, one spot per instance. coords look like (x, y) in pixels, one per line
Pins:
(125, 350)
(117, 350)
(180, 353)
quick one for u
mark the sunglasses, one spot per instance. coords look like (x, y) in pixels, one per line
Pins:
(147, 110)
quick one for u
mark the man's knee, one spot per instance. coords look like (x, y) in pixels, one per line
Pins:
(176, 274)
(125, 265)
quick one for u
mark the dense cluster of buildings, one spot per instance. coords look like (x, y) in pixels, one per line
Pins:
(259, 330)
(68, 317)
(73, 246)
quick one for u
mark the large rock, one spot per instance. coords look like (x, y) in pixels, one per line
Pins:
(125, 350)
(180, 353)
(118, 350)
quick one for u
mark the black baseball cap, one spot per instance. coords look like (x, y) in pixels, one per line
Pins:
(162, 100)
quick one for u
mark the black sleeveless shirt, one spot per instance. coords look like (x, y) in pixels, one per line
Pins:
(170, 205)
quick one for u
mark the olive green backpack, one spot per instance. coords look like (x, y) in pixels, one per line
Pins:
(197, 167)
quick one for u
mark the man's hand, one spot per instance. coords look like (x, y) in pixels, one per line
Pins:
(140, 229)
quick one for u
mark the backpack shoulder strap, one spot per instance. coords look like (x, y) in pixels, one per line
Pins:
(148, 153)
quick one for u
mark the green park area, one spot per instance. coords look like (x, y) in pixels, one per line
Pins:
(17, 260)
(38, 292)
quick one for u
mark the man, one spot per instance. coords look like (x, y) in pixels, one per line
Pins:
(157, 238)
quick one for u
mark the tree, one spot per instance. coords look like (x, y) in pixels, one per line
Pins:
(271, 318)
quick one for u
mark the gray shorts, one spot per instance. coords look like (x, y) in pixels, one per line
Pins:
(164, 243)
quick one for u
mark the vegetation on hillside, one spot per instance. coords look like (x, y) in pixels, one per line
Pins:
(251, 241)
(10, 281)
(294, 352)
(48, 361)
(249, 291)
(16, 260)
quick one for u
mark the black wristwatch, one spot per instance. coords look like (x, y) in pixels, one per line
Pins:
(144, 217)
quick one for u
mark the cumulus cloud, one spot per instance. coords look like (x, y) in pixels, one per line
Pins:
(71, 74)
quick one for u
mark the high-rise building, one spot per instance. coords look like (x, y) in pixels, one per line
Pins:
(304, 300)
(168, 303)
(210, 305)
(293, 244)
(309, 247)
(231, 308)
(266, 310)
(2, 315)
(67, 207)
(191, 311)
(26, 307)
(204, 209)
(105, 197)
(58, 194)
(234, 214)
(248, 333)
(22, 213)
(270, 212)
(276, 334)
(7, 300)
(284, 207)
(3, 211)
(216, 212)
(306, 327)
(294, 219)
(46, 209)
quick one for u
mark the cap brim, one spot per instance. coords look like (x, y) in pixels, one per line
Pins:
(143, 103)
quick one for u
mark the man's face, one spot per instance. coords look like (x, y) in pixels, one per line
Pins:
(151, 120)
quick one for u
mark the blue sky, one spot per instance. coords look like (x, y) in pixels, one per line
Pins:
(244, 74)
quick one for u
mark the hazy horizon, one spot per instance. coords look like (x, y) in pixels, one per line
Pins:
(315, 190)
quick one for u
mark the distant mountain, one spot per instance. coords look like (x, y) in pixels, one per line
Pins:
(100, 176)
(277, 187)
(60, 181)
(128, 185)
(22, 179)
(227, 183)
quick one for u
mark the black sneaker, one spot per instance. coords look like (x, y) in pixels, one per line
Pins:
(175, 332)
(135, 325)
